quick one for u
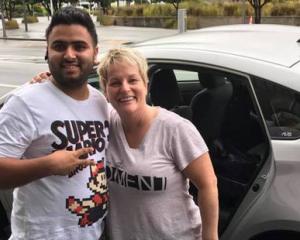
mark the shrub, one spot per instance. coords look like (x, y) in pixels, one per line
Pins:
(146, 10)
(122, 11)
(192, 8)
(97, 15)
(192, 23)
(139, 11)
(11, 24)
(128, 11)
(31, 19)
(167, 10)
(159, 10)
(297, 7)
(266, 10)
(112, 11)
(170, 23)
(230, 9)
(239, 8)
(149, 10)
(106, 20)
(283, 9)
(210, 10)
(200, 9)
(39, 10)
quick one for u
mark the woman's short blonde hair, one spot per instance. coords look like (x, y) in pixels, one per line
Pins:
(117, 55)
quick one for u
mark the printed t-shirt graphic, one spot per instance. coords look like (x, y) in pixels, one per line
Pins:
(85, 134)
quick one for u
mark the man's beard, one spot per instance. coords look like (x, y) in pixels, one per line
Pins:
(70, 82)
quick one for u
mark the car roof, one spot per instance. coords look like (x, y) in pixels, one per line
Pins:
(277, 44)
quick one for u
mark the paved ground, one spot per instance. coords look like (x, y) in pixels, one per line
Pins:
(108, 35)
(22, 52)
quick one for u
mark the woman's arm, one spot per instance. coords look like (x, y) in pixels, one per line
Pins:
(41, 77)
(200, 171)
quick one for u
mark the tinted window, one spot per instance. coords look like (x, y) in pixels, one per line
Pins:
(280, 107)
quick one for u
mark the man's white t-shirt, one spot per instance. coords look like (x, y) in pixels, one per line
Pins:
(37, 121)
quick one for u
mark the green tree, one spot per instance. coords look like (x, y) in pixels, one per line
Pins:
(105, 4)
(175, 3)
(9, 7)
(29, 6)
(57, 4)
(257, 6)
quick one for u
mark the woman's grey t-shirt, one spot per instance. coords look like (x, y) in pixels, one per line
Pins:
(149, 196)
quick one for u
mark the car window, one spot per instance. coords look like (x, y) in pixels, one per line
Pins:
(183, 75)
(94, 81)
(172, 85)
(281, 108)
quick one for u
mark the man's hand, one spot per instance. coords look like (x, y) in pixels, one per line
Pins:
(63, 162)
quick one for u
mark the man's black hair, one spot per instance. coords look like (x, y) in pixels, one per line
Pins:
(71, 15)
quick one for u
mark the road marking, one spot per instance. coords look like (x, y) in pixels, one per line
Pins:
(22, 59)
(22, 62)
(8, 56)
(9, 85)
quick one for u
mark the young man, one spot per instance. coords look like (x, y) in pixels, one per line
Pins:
(58, 194)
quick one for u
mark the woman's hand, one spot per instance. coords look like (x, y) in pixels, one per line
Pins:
(41, 77)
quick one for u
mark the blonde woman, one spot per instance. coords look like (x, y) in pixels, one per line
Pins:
(152, 155)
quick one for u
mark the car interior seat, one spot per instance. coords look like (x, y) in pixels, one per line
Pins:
(164, 92)
(209, 105)
(208, 109)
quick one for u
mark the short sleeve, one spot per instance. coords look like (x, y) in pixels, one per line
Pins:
(187, 144)
(17, 128)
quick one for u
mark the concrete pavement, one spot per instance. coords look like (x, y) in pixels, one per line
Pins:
(20, 59)
(108, 35)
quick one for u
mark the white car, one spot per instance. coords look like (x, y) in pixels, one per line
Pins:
(240, 86)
